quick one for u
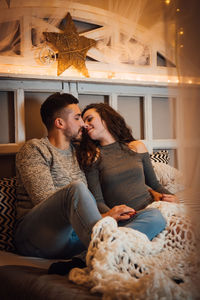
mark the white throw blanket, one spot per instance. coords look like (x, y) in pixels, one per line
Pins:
(123, 264)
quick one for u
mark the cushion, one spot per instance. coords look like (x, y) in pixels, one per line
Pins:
(160, 156)
(7, 213)
(170, 177)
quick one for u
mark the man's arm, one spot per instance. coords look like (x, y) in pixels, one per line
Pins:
(92, 176)
(34, 173)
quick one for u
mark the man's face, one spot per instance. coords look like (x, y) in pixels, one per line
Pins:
(73, 122)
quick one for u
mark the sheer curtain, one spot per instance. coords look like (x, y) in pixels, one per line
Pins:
(185, 17)
(9, 38)
(187, 24)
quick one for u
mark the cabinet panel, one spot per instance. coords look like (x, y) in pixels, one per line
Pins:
(7, 119)
(34, 127)
(131, 108)
(163, 118)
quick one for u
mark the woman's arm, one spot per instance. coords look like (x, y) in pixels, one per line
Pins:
(158, 191)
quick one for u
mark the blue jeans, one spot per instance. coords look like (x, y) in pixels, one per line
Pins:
(61, 226)
(49, 229)
(148, 221)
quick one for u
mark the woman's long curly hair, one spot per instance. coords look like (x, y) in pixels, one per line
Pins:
(87, 151)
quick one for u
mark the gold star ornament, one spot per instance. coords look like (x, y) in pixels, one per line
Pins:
(71, 47)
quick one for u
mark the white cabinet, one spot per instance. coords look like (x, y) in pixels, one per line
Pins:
(149, 110)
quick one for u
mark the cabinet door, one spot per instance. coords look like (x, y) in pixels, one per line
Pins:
(34, 128)
(7, 118)
(163, 118)
(131, 108)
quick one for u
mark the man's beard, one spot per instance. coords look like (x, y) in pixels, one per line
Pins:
(78, 137)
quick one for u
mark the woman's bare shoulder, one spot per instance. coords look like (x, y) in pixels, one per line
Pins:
(137, 146)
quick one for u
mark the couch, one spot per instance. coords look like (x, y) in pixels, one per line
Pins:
(26, 277)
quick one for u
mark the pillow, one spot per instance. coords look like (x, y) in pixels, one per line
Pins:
(170, 177)
(160, 156)
(7, 213)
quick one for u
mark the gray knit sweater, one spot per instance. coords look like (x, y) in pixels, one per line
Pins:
(41, 170)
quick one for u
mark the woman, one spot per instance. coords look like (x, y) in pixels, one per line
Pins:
(118, 170)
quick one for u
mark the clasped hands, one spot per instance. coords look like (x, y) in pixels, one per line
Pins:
(120, 212)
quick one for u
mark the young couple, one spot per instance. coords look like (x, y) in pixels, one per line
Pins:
(56, 211)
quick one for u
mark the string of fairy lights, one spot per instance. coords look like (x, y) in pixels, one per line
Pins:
(180, 30)
(177, 13)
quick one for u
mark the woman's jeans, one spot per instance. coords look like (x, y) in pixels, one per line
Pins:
(61, 226)
(148, 221)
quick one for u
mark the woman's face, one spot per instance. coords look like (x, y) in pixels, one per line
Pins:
(95, 127)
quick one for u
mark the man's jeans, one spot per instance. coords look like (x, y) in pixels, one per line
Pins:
(61, 226)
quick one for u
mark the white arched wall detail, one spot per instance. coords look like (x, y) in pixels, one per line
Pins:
(119, 54)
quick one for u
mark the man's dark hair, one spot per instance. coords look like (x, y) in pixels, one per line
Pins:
(52, 107)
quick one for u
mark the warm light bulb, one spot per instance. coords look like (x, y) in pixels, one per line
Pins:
(181, 32)
(178, 9)
(167, 2)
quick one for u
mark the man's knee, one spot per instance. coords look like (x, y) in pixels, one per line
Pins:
(78, 193)
(77, 186)
(79, 190)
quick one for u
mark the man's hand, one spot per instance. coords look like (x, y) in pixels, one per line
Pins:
(120, 212)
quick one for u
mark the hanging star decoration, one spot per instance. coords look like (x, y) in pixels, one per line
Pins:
(71, 47)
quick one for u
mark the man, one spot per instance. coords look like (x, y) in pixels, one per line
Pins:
(55, 210)
(53, 200)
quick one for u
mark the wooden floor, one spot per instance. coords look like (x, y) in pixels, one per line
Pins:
(30, 283)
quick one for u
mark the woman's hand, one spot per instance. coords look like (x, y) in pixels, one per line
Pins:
(164, 197)
(170, 198)
(120, 212)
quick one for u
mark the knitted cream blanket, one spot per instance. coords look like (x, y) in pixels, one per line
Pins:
(123, 264)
